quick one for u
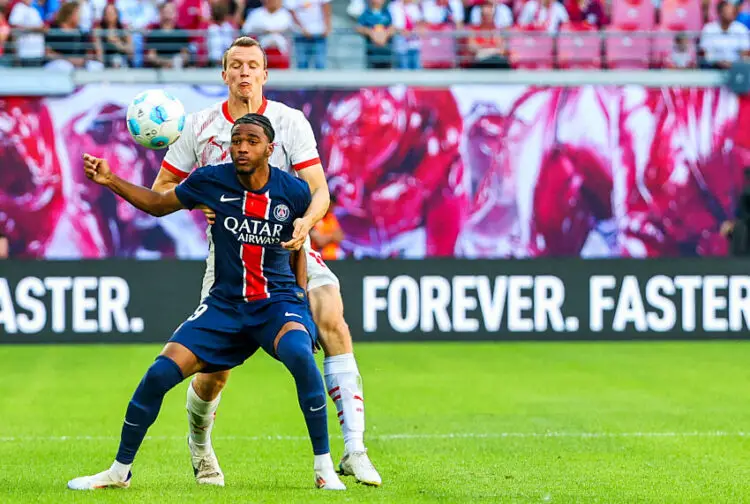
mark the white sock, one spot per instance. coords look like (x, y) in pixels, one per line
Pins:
(201, 419)
(323, 462)
(120, 471)
(345, 388)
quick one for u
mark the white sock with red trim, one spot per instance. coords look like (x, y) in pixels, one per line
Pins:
(345, 388)
(201, 415)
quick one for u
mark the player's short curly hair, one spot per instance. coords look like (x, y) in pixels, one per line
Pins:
(259, 120)
(244, 42)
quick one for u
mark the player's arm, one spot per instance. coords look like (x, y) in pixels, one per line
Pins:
(321, 197)
(306, 162)
(298, 262)
(166, 180)
(151, 202)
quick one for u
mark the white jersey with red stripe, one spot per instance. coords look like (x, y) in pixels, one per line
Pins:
(206, 139)
(207, 134)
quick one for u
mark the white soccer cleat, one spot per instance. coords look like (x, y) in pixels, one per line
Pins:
(206, 467)
(104, 479)
(358, 464)
(327, 479)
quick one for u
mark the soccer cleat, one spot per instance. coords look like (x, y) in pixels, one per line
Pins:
(358, 464)
(206, 467)
(104, 479)
(327, 479)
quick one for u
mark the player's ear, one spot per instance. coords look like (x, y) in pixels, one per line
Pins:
(269, 149)
(224, 77)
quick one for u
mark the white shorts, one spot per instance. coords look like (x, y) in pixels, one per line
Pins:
(318, 274)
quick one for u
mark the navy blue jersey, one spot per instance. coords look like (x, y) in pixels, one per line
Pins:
(251, 264)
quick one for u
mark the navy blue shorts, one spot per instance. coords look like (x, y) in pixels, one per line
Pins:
(224, 335)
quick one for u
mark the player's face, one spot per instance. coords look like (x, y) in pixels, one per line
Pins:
(250, 148)
(245, 74)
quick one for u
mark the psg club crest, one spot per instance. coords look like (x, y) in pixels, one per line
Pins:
(281, 212)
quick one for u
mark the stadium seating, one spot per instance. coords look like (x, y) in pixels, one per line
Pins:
(531, 49)
(682, 15)
(439, 47)
(579, 46)
(626, 51)
(633, 14)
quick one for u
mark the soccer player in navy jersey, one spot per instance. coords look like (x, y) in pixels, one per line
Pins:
(257, 301)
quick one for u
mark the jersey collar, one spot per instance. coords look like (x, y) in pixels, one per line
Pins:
(228, 116)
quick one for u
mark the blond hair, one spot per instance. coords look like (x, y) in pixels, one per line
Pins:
(244, 42)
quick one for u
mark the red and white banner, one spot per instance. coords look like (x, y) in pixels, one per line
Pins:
(466, 171)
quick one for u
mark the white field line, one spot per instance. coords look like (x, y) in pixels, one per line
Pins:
(391, 437)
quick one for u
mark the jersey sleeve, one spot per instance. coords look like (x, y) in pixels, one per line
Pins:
(192, 191)
(304, 150)
(181, 156)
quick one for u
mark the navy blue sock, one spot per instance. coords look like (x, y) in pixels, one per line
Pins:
(144, 406)
(295, 351)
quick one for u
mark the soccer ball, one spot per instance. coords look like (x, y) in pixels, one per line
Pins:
(155, 119)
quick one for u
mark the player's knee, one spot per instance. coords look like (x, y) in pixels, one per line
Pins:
(334, 325)
(208, 386)
(294, 349)
(335, 336)
(162, 375)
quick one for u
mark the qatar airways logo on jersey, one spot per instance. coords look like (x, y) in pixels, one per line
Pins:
(254, 232)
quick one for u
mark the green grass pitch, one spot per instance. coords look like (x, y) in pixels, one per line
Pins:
(518, 422)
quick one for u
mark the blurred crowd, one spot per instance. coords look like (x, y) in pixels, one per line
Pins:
(407, 34)
(549, 33)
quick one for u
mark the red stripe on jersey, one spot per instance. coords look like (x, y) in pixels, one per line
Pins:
(306, 164)
(225, 112)
(174, 169)
(333, 391)
(263, 105)
(255, 283)
(228, 116)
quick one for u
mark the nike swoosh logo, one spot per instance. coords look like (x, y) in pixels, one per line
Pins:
(318, 409)
(131, 424)
(224, 199)
(287, 314)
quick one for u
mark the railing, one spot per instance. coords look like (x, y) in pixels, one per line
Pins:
(430, 49)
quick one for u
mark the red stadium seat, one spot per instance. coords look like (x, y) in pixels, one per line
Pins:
(633, 14)
(682, 15)
(663, 46)
(626, 50)
(531, 48)
(579, 46)
(439, 48)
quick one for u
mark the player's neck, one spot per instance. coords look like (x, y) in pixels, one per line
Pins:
(239, 108)
(257, 180)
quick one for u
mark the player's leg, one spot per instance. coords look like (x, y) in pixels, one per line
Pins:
(171, 366)
(293, 346)
(342, 377)
(203, 396)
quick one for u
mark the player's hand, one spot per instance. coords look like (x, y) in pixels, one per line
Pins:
(210, 214)
(96, 169)
(299, 235)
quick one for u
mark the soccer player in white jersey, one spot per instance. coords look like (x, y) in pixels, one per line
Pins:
(205, 140)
